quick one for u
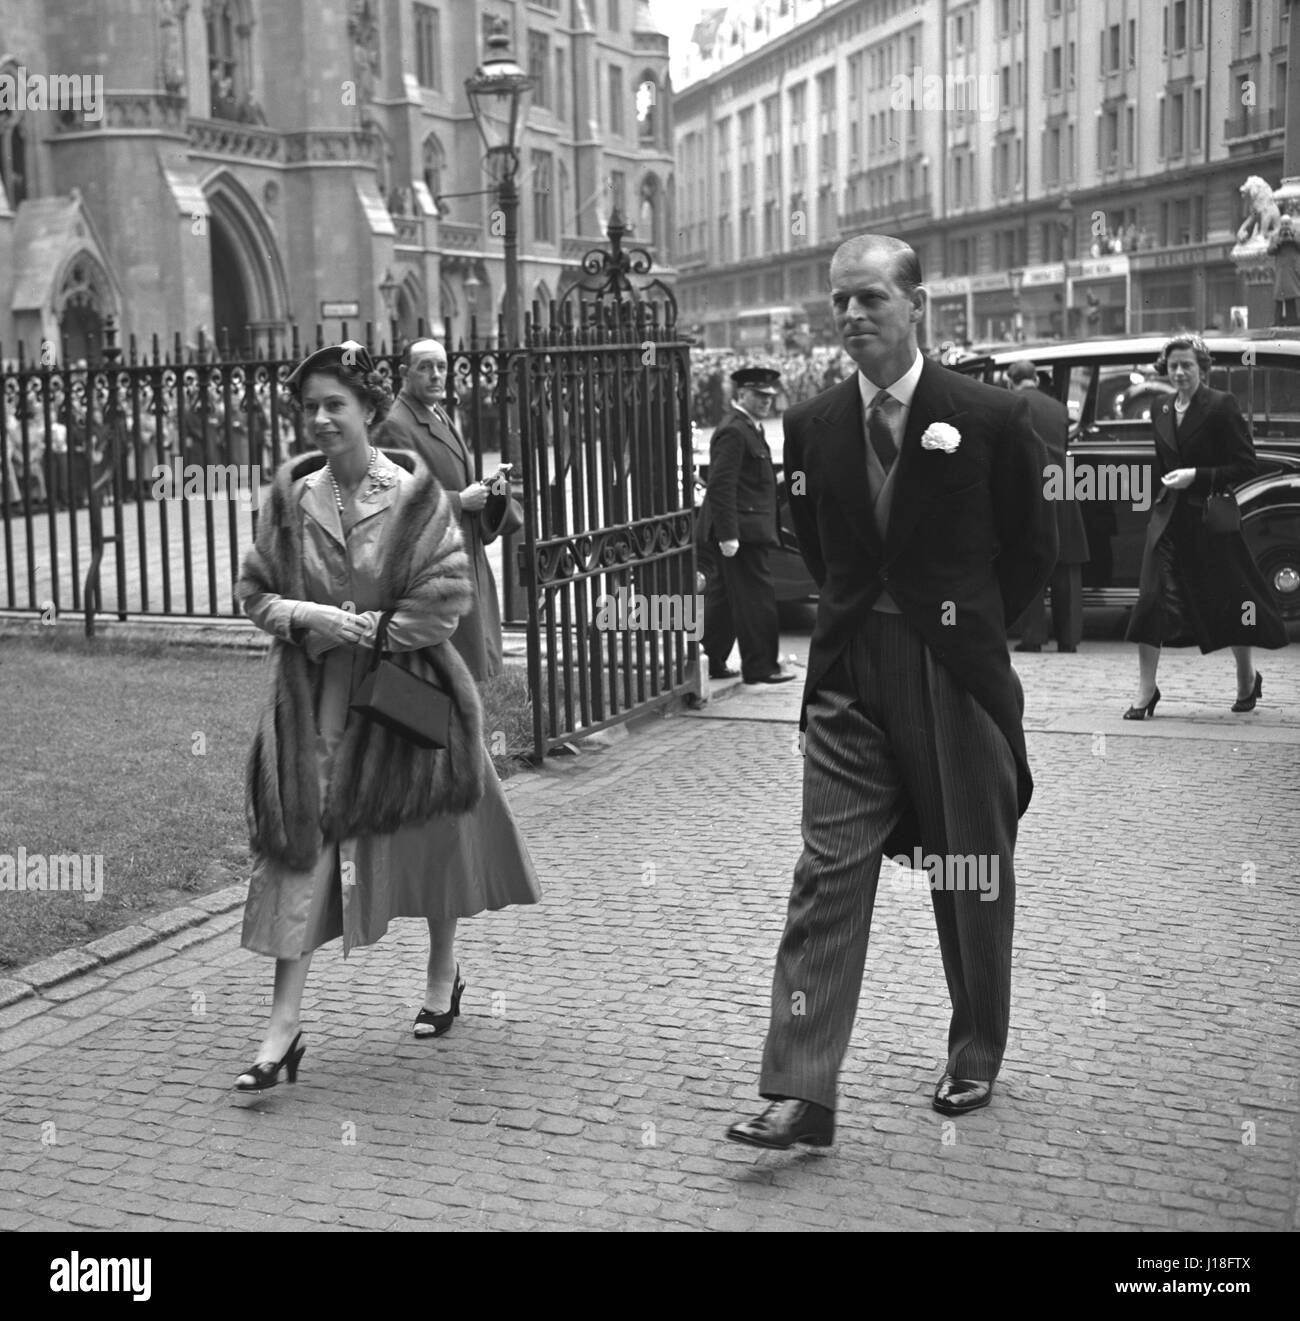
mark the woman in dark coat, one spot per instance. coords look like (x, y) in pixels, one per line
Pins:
(350, 824)
(1285, 248)
(1199, 588)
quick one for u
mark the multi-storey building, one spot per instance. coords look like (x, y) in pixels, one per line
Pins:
(257, 162)
(1060, 166)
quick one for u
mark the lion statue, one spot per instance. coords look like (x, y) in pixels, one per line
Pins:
(1260, 225)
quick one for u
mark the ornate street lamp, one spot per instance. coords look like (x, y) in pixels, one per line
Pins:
(499, 92)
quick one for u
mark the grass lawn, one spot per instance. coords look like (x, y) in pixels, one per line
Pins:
(135, 751)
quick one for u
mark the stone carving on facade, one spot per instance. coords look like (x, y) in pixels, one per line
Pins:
(364, 32)
(1261, 223)
(170, 14)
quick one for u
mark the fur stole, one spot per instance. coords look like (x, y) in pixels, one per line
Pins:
(379, 782)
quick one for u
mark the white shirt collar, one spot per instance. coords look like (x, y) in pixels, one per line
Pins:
(902, 389)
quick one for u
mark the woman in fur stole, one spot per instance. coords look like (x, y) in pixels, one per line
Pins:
(350, 824)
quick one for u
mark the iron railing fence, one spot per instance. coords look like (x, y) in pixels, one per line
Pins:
(162, 457)
(609, 556)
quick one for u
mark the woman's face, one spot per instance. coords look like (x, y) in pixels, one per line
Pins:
(1184, 371)
(335, 419)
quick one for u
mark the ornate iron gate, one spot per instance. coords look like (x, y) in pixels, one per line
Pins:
(602, 389)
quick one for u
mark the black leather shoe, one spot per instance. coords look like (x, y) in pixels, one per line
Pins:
(778, 677)
(1065, 648)
(786, 1122)
(723, 674)
(1141, 712)
(1028, 646)
(429, 1024)
(1248, 703)
(955, 1096)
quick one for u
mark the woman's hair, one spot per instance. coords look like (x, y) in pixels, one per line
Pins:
(369, 386)
(1185, 341)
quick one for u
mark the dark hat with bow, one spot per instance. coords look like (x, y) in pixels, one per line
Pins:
(349, 354)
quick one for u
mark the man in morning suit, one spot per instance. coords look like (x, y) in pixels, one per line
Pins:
(418, 421)
(917, 496)
(1052, 423)
(737, 526)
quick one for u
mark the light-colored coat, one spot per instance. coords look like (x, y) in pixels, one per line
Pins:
(407, 552)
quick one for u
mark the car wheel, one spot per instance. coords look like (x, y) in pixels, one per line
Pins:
(1273, 536)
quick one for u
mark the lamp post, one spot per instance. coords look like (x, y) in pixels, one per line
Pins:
(499, 92)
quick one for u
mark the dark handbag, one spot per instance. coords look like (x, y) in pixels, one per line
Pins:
(1221, 514)
(413, 708)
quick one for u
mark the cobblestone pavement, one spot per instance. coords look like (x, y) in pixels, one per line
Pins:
(609, 1034)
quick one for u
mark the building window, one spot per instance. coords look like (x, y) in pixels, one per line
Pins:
(428, 47)
(1176, 123)
(1108, 141)
(798, 151)
(615, 18)
(543, 197)
(225, 76)
(539, 68)
(1197, 116)
(1053, 68)
(745, 132)
(1130, 136)
(1246, 17)
(616, 120)
(13, 156)
(1179, 26)
(560, 80)
(827, 145)
(1132, 43)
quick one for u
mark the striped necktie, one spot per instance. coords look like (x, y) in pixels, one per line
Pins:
(880, 431)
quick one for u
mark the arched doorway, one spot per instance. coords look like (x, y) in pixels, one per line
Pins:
(248, 281)
(84, 298)
(229, 296)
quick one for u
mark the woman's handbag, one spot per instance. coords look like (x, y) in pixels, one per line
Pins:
(413, 708)
(1221, 514)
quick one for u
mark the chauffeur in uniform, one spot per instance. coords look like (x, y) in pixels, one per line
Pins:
(737, 526)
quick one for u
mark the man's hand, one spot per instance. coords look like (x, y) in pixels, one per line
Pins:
(1179, 478)
(474, 497)
(728, 548)
(339, 626)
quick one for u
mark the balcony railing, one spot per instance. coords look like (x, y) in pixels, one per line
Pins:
(1253, 124)
(902, 208)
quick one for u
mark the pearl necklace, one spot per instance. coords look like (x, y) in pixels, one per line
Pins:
(372, 473)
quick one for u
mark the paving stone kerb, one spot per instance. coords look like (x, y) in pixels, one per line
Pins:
(609, 1034)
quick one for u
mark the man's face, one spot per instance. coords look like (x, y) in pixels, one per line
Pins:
(756, 402)
(875, 319)
(426, 377)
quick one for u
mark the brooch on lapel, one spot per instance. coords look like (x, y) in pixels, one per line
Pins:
(941, 436)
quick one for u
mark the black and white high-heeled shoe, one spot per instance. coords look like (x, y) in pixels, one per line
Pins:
(437, 1025)
(266, 1075)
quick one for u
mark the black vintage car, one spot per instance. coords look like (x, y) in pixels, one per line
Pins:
(1110, 389)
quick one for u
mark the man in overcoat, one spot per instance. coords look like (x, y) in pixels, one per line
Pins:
(1052, 423)
(737, 528)
(917, 497)
(418, 421)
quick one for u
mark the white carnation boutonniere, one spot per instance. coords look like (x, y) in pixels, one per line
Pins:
(941, 436)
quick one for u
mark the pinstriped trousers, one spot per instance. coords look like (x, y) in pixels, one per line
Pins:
(888, 724)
